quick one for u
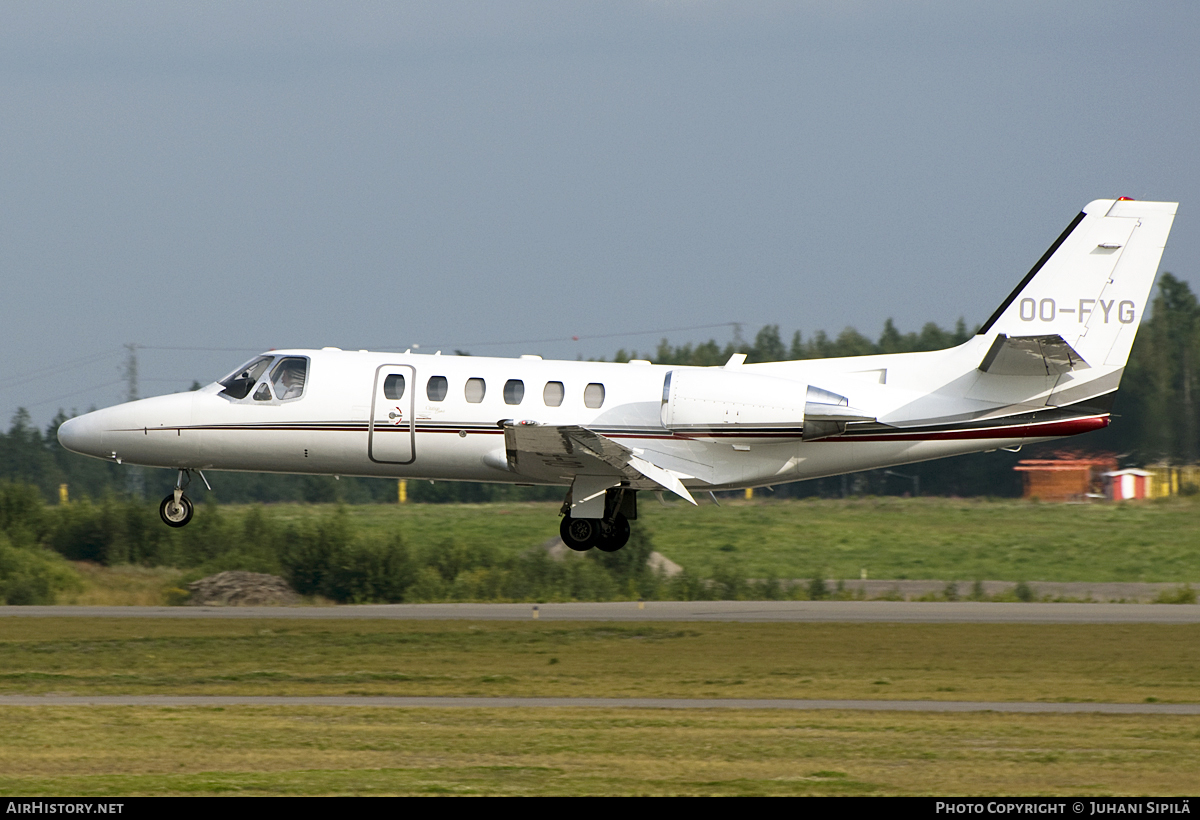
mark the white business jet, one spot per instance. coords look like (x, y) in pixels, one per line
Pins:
(1045, 365)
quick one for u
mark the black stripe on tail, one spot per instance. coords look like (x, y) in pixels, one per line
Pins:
(1045, 258)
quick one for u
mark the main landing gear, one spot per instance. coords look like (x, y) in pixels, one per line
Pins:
(607, 534)
(581, 534)
(176, 510)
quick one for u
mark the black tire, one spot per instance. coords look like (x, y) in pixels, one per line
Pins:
(580, 534)
(613, 536)
(176, 515)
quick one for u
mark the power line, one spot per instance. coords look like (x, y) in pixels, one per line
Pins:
(43, 372)
(74, 393)
(579, 338)
(205, 349)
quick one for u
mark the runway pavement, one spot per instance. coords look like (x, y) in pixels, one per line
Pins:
(743, 611)
(607, 703)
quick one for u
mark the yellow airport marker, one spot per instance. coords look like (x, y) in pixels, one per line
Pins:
(535, 613)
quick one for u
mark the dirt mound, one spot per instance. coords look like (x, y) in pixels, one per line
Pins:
(236, 588)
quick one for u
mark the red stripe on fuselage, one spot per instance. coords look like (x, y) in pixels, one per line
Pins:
(1049, 429)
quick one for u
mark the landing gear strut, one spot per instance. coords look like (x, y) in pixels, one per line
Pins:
(176, 510)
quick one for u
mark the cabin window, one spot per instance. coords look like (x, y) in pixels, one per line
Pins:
(553, 394)
(514, 391)
(288, 378)
(475, 390)
(437, 388)
(240, 382)
(593, 395)
(393, 387)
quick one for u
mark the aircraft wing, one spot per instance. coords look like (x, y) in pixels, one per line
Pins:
(564, 451)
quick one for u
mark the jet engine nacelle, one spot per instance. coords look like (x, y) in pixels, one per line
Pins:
(710, 398)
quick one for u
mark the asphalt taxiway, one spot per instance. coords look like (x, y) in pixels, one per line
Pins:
(632, 611)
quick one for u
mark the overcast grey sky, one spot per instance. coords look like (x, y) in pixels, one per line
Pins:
(246, 176)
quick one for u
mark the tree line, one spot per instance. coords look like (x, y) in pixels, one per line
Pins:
(324, 556)
(1155, 420)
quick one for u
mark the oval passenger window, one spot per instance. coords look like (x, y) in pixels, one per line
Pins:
(514, 391)
(593, 395)
(553, 394)
(393, 387)
(436, 389)
(475, 390)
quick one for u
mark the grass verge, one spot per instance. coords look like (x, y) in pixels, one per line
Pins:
(940, 538)
(124, 585)
(127, 751)
(1035, 662)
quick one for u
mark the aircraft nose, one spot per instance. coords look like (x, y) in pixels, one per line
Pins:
(82, 435)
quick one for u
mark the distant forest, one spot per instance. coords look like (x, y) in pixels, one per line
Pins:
(1155, 419)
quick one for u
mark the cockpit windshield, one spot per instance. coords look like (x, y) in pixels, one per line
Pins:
(239, 383)
(283, 382)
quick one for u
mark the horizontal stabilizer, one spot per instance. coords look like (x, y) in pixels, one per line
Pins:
(562, 452)
(1031, 356)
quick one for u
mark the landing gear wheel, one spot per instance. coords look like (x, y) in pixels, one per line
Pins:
(580, 534)
(176, 514)
(613, 535)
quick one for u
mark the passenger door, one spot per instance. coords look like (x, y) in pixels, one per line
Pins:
(392, 431)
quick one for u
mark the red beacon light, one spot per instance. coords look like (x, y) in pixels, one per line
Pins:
(1125, 199)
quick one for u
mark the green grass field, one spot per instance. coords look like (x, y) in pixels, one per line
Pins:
(1129, 663)
(924, 538)
(126, 751)
(323, 750)
(52, 750)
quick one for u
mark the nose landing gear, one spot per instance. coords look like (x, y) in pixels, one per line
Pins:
(176, 510)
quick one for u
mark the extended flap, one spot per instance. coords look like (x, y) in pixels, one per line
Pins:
(558, 452)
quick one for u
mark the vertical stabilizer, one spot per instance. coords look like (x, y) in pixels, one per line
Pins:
(1093, 284)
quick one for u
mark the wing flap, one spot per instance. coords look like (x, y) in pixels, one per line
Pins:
(562, 452)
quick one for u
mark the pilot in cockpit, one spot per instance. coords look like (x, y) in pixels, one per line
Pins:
(288, 378)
